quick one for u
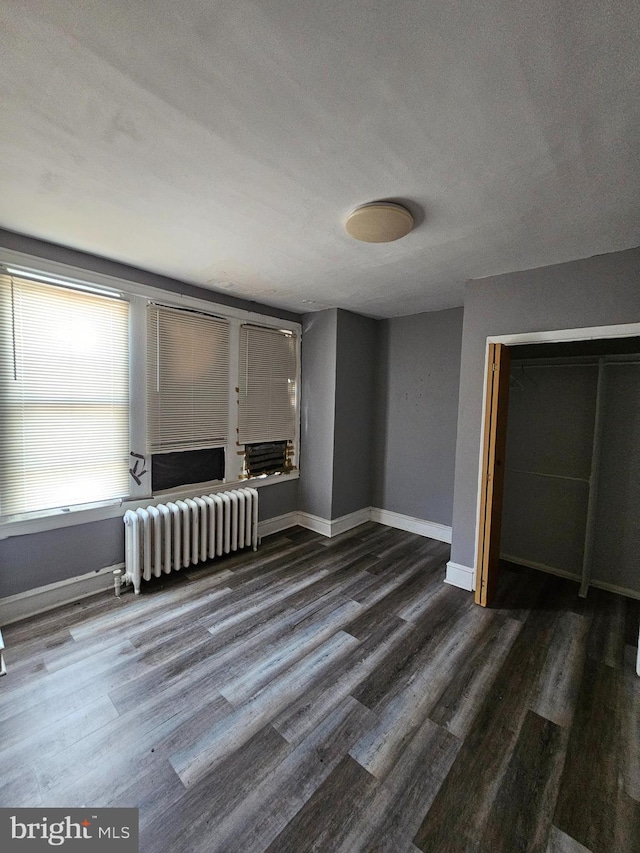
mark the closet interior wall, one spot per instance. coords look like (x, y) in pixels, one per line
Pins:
(572, 478)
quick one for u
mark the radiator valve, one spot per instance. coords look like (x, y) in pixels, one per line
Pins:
(117, 581)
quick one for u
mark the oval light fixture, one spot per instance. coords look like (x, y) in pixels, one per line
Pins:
(379, 222)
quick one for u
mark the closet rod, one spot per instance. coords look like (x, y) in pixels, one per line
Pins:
(524, 365)
(543, 474)
(530, 365)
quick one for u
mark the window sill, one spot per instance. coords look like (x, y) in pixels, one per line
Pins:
(37, 522)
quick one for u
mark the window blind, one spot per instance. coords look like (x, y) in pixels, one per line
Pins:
(267, 383)
(187, 380)
(64, 396)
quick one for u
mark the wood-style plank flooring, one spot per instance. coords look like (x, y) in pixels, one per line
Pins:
(334, 695)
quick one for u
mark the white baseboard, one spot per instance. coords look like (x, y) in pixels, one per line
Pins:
(553, 570)
(275, 525)
(13, 608)
(336, 526)
(620, 590)
(348, 522)
(333, 527)
(460, 576)
(25, 604)
(431, 529)
(315, 523)
(542, 567)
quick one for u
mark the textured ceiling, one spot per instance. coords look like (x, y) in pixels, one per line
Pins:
(223, 143)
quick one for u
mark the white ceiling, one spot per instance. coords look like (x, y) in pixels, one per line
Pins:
(223, 143)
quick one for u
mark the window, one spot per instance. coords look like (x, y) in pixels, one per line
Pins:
(187, 396)
(268, 457)
(113, 391)
(171, 470)
(187, 380)
(267, 399)
(64, 396)
(267, 385)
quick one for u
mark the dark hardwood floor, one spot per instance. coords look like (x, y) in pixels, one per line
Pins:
(334, 695)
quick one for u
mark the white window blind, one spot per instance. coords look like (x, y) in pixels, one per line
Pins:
(267, 382)
(64, 396)
(187, 380)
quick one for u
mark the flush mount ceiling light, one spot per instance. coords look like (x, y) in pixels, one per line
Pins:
(379, 222)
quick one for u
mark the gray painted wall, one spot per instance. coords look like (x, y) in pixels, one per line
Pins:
(598, 291)
(38, 559)
(354, 413)
(317, 411)
(278, 499)
(417, 410)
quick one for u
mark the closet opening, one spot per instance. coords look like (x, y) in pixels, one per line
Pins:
(560, 462)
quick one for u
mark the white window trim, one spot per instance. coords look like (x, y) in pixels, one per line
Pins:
(139, 295)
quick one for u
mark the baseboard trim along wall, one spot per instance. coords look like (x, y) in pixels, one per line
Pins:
(460, 576)
(274, 525)
(431, 529)
(573, 576)
(314, 523)
(348, 522)
(542, 567)
(335, 526)
(13, 608)
(34, 601)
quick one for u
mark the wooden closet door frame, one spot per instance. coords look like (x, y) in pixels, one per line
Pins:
(492, 472)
